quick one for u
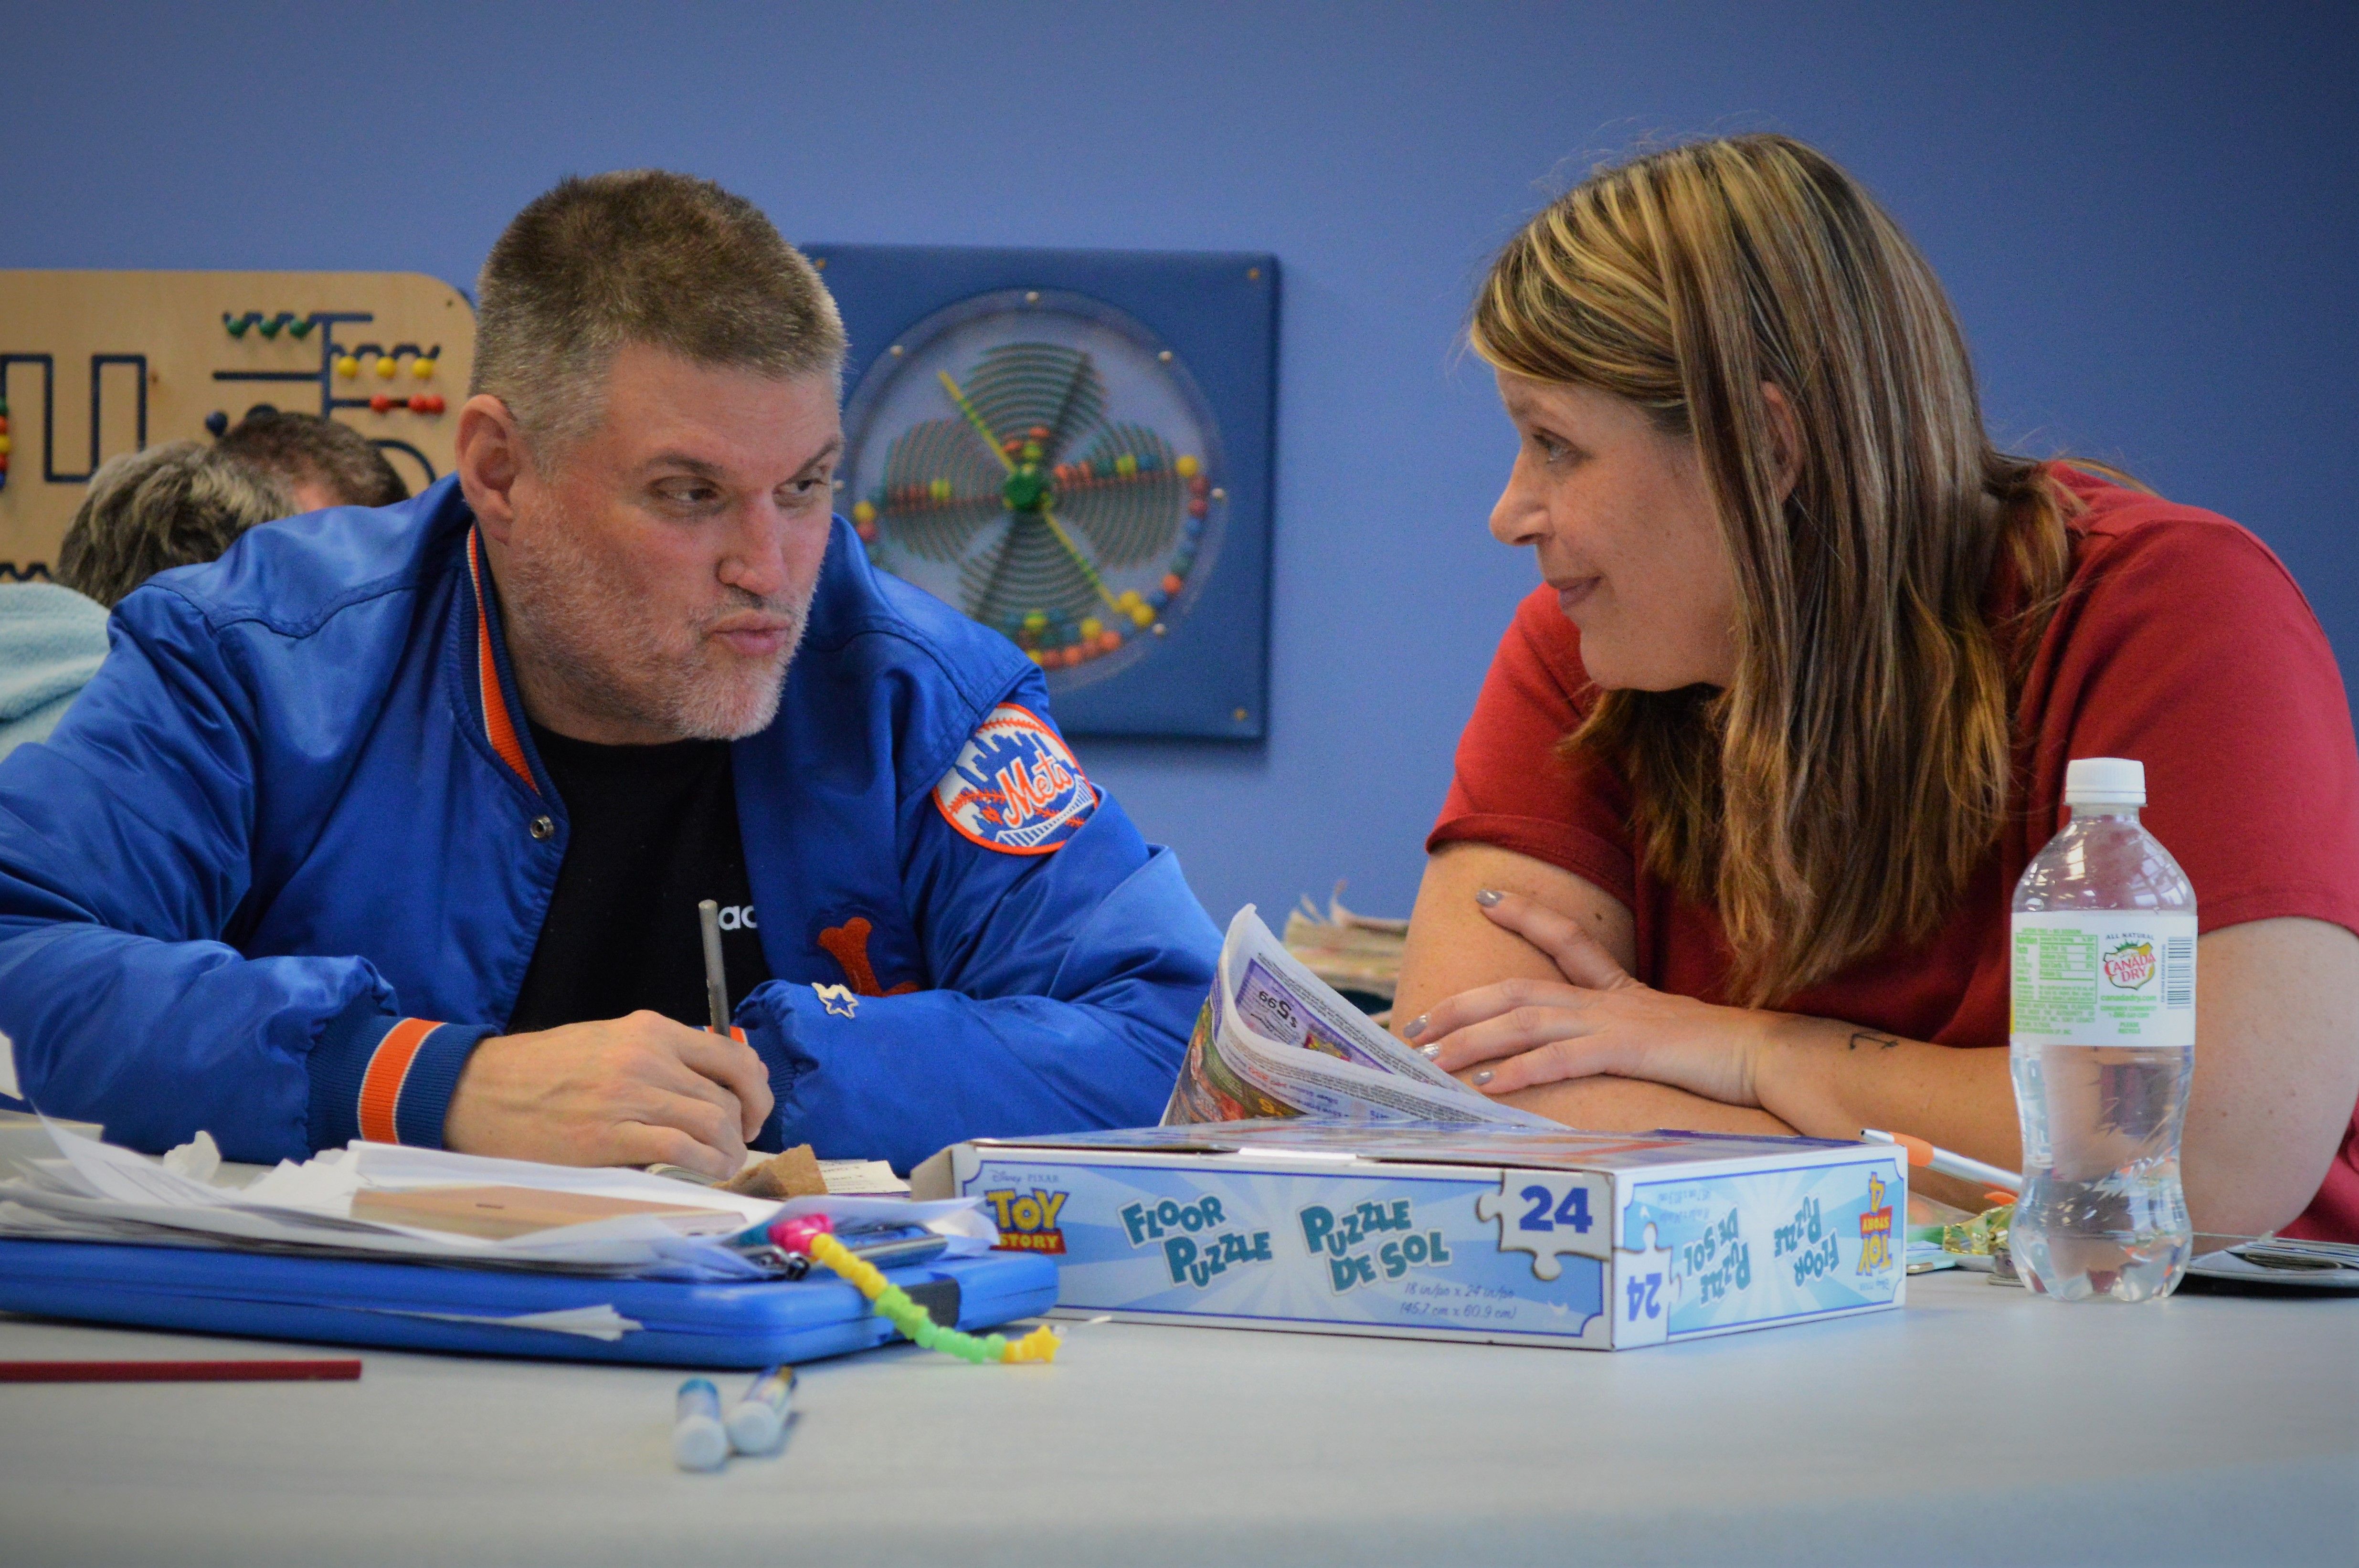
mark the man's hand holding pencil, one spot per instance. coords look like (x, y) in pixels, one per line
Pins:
(624, 1091)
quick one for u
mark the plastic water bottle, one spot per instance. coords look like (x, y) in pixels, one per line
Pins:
(2102, 1041)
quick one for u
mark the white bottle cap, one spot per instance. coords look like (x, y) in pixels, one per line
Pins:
(756, 1427)
(699, 1443)
(2105, 781)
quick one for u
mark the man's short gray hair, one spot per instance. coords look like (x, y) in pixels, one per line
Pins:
(640, 256)
(174, 505)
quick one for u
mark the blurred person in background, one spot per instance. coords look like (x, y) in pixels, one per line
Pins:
(174, 505)
(319, 462)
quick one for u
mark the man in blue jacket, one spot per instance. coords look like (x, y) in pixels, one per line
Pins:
(395, 824)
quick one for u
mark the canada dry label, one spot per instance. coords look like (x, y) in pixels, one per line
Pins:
(2104, 978)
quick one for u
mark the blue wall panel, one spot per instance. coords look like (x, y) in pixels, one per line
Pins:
(2146, 213)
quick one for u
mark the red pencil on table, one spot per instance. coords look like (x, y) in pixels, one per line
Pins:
(275, 1371)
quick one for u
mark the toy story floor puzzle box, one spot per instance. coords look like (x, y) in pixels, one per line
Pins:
(1505, 1235)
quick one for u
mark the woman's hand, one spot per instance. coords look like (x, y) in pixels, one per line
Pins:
(1595, 1021)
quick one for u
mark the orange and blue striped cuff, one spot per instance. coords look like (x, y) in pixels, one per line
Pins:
(388, 1080)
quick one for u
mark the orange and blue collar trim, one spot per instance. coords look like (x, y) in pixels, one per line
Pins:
(499, 724)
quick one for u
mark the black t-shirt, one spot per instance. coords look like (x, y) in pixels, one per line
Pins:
(652, 830)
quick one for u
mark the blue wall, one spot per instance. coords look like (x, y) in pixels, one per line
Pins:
(2146, 213)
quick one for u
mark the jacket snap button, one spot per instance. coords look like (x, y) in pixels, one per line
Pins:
(542, 827)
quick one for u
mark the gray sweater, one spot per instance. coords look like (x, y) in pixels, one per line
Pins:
(51, 641)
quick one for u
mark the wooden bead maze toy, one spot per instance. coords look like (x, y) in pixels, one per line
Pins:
(184, 355)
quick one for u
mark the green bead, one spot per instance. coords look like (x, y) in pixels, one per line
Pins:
(298, 331)
(1024, 490)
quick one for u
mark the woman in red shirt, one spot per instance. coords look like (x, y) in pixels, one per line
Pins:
(1735, 820)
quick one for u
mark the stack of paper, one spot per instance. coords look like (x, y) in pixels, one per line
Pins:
(385, 1200)
(1351, 952)
(1273, 1040)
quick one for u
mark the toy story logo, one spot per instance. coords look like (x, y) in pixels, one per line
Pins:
(1874, 1229)
(1369, 1239)
(2131, 964)
(1027, 1220)
(1198, 1254)
(1016, 788)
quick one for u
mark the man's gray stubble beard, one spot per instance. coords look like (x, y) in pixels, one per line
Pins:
(560, 599)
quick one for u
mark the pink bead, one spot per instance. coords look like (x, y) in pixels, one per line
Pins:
(795, 1235)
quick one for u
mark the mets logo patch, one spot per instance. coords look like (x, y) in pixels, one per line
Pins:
(1016, 788)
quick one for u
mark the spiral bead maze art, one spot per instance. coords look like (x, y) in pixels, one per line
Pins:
(812, 1236)
(1073, 448)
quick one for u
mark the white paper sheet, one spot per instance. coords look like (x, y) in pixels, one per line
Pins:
(600, 1322)
(99, 1192)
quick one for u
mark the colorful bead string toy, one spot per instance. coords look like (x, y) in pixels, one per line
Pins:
(812, 1235)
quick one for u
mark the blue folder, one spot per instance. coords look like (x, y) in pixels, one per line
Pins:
(338, 1300)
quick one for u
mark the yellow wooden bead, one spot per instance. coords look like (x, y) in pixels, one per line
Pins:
(1186, 467)
(864, 514)
(384, 367)
(6, 446)
(421, 368)
(1143, 615)
(348, 367)
(1092, 626)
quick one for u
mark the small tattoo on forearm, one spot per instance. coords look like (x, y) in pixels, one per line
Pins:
(1865, 1037)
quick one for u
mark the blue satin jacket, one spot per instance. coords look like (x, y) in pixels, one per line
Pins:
(284, 863)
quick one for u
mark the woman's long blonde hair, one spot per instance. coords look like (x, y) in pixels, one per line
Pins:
(1839, 793)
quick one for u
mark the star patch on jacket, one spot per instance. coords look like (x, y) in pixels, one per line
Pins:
(1016, 788)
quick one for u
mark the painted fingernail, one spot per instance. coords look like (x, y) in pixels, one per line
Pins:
(1429, 1051)
(1487, 897)
(1416, 1026)
(1481, 1078)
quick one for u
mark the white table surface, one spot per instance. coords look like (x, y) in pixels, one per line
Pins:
(1977, 1424)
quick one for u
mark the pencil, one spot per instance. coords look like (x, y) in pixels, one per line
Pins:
(275, 1371)
(716, 982)
(1944, 1163)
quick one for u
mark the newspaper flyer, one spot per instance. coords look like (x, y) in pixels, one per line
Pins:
(1274, 1040)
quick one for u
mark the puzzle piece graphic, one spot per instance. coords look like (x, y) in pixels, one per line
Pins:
(1551, 1214)
(1646, 1292)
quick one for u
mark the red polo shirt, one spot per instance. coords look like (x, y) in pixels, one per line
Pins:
(2182, 643)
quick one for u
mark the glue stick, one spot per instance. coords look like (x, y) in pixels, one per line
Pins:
(757, 1422)
(698, 1439)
